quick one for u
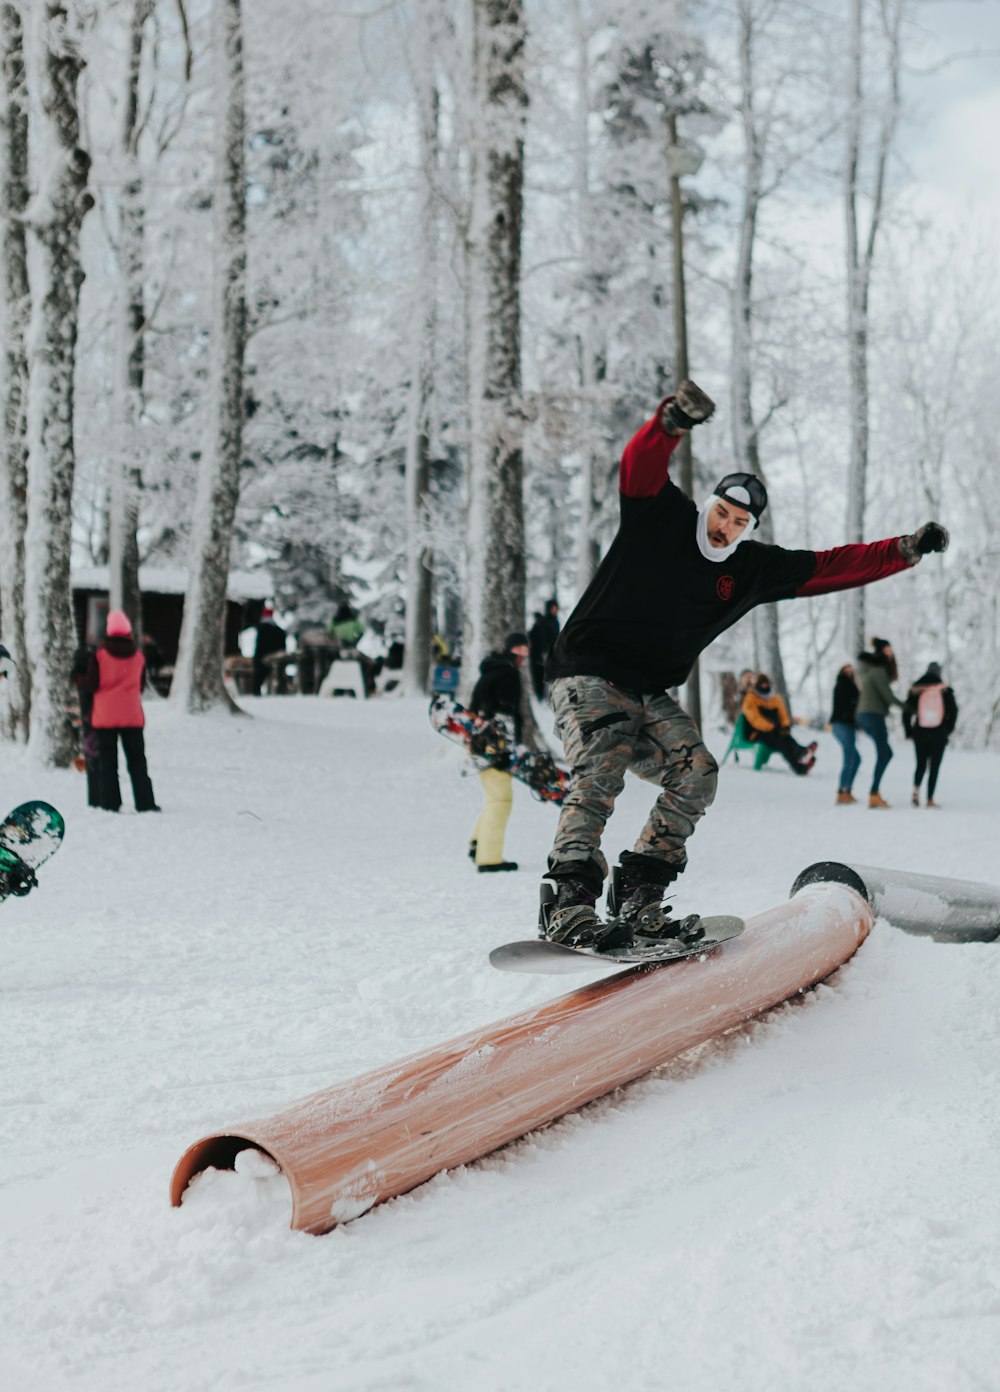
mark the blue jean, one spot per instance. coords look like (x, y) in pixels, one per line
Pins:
(845, 737)
(874, 727)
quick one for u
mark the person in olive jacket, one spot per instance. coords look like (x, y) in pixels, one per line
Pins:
(878, 669)
(115, 677)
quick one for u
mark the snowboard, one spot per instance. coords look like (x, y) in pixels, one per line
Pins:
(29, 835)
(489, 747)
(538, 955)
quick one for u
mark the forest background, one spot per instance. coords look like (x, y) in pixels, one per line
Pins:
(369, 296)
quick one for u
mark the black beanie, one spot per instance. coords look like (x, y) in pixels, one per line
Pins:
(515, 640)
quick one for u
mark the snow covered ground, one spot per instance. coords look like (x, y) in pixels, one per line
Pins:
(810, 1202)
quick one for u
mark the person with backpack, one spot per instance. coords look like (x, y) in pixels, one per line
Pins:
(929, 716)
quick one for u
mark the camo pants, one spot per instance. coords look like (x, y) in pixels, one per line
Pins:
(605, 732)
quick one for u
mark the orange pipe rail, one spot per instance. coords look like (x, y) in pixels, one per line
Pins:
(352, 1146)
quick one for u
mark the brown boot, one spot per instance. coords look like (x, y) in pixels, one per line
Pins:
(877, 800)
(916, 797)
(845, 799)
(932, 803)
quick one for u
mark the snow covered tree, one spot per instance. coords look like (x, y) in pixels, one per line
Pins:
(861, 252)
(495, 563)
(197, 683)
(54, 219)
(15, 304)
(126, 474)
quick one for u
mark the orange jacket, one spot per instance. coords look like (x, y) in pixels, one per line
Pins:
(765, 712)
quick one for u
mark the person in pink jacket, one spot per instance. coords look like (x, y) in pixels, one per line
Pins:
(115, 676)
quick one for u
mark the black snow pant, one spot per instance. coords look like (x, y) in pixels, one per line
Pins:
(790, 750)
(929, 746)
(109, 792)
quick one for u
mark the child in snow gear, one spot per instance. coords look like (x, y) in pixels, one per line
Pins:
(768, 722)
(115, 677)
(844, 724)
(876, 698)
(676, 576)
(929, 716)
(497, 697)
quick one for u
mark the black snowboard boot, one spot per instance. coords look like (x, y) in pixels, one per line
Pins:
(568, 912)
(636, 904)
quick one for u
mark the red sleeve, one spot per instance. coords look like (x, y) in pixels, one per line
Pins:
(645, 459)
(847, 567)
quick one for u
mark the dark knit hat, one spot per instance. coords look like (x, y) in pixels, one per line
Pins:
(515, 640)
(934, 671)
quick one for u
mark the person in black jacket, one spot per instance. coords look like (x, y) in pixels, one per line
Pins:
(676, 576)
(497, 698)
(270, 640)
(541, 638)
(844, 724)
(930, 713)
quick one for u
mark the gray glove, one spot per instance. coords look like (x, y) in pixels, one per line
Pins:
(690, 406)
(930, 537)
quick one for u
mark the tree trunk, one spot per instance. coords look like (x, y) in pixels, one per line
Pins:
(419, 557)
(746, 437)
(54, 220)
(126, 473)
(860, 260)
(495, 563)
(588, 550)
(15, 309)
(198, 683)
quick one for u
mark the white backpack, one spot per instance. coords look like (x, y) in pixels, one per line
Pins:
(930, 707)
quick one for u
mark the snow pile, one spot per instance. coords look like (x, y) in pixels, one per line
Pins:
(807, 1202)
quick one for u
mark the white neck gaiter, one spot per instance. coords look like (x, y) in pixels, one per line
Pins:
(710, 552)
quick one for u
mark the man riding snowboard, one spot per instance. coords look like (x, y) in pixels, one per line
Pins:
(675, 577)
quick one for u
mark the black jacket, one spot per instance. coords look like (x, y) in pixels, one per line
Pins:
(946, 727)
(845, 701)
(498, 690)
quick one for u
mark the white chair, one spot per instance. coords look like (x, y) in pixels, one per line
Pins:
(344, 675)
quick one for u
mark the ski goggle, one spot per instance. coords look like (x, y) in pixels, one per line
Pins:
(743, 491)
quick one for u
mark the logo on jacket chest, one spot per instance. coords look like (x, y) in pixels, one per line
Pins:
(724, 586)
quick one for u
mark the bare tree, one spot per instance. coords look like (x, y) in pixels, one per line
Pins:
(197, 683)
(54, 219)
(126, 473)
(861, 259)
(15, 309)
(419, 554)
(495, 566)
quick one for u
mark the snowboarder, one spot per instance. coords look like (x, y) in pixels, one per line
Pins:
(929, 716)
(768, 722)
(115, 677)
(878, 670)
(844, 724)
(497, 697)
(676, 576)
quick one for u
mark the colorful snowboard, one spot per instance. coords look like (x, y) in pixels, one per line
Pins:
(29, 835)
(537, 955)
(490, 748)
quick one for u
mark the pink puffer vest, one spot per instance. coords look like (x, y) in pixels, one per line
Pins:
(117, 702)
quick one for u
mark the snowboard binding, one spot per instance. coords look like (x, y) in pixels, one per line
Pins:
(16, 878)
(641, 911)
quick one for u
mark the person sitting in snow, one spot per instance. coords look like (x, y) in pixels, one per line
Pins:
(676, 576)
(768, 722)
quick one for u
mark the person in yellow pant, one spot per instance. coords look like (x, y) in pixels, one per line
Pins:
(497, 697)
